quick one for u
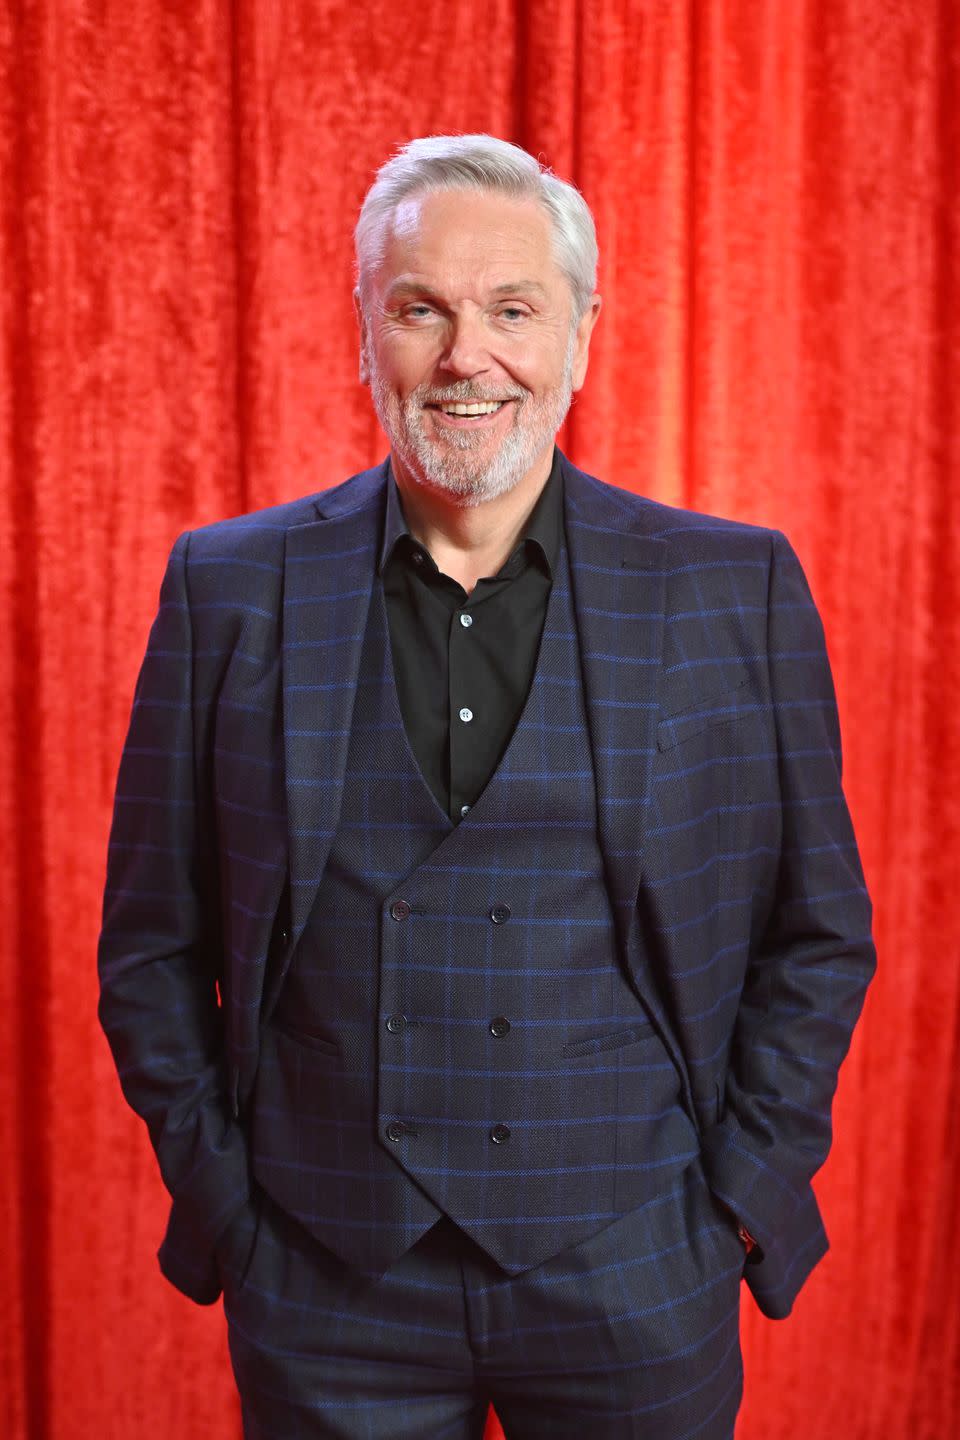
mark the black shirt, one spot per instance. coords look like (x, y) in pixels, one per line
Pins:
(464, 663)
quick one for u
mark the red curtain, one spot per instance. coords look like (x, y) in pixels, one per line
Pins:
(775, 186)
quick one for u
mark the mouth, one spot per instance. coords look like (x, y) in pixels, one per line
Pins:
(468, 414)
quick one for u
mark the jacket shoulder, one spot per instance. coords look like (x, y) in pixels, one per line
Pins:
(695, 537)
(262, 532)
(687, 534)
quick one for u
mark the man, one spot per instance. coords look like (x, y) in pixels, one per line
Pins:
(500, 810)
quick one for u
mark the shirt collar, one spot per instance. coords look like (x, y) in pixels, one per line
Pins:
(543, 526)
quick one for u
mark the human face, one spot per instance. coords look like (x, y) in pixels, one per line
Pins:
(468, 306)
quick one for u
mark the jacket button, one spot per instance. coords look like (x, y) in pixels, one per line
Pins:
(499, 914)
(395, 1130)
(395, 1023)
(499, 1025)
(500, 1134)
(399, 909)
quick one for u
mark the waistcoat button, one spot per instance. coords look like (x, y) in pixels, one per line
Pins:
(499, 914)
(395, 1130)
(500, 1134)
(399, 909)
(395, 1023)
(499, 1025)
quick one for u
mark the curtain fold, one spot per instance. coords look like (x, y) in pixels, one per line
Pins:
(775, 188)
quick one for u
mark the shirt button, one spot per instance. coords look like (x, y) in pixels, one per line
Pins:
(417, 557)
(499, 1026)
(499, 914)
(500, 1134)
(395, 1130)
(464, 809)
(466, 714)
(399, 909)
(395, 1023)
(466, 621)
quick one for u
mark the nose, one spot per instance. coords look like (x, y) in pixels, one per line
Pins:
(465, 352)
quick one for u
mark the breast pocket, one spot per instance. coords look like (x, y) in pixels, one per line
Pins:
(730, 704)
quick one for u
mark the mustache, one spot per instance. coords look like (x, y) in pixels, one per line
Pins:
(464, 393)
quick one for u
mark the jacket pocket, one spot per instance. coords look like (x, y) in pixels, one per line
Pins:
(309, 1038)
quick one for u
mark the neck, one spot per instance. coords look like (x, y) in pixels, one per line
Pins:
(469, 541)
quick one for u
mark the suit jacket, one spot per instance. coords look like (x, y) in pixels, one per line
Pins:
(741, 912)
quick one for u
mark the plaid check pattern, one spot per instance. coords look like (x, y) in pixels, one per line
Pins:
(455, 1033)
(738, 905)
(633, 1334)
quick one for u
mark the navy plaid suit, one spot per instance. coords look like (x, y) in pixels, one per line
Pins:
(731, 866)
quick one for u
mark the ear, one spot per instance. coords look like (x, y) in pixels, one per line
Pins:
(364, 335)
(581, 351)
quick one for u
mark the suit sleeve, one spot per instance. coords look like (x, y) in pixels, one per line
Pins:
(808, 972)
(159, 951)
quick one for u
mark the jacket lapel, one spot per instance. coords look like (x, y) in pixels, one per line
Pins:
(329, 570)
(617, 573)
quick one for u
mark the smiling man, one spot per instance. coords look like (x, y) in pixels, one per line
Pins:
(484, 927)
(473, 342)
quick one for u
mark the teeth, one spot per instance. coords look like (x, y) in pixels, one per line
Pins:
(476, 407)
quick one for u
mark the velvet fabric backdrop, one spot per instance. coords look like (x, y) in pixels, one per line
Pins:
(775, 188)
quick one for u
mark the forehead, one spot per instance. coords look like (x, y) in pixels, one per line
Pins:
(453, 237)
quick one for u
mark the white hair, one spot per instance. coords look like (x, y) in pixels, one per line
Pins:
(480, 162)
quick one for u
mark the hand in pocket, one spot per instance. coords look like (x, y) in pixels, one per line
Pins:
(234, 1246)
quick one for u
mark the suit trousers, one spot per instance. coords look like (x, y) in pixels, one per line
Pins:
(633, 1332)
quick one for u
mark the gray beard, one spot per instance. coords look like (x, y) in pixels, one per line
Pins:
(452, 467)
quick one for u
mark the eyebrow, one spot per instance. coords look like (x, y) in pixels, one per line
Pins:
(407, 285)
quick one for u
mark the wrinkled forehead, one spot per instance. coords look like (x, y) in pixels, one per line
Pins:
(456, 235)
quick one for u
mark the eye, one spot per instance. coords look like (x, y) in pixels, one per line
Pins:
(419, 310)
(512, 312)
